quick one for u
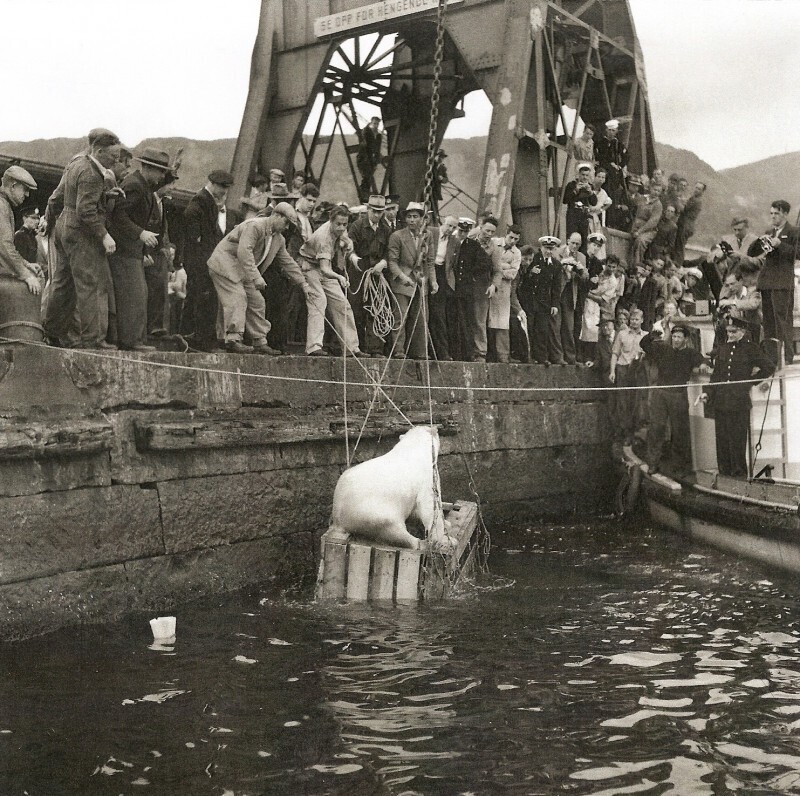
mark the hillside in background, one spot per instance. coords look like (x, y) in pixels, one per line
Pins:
(744, 190)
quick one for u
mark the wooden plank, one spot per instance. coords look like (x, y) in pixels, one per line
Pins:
(382, 581)
(358, 560)
(408, 566)
(464, 521)
(334, 563)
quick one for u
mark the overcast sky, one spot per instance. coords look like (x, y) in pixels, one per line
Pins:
(722, 74)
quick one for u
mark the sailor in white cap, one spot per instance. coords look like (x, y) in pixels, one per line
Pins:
(15, 188)
(612, 157)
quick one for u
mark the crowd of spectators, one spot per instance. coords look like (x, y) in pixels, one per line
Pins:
(292, 270)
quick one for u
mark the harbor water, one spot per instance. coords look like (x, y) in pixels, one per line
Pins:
(609, 658)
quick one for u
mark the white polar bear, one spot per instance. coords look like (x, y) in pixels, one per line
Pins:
(374, 499)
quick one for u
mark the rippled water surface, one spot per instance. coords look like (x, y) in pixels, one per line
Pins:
(598, 660)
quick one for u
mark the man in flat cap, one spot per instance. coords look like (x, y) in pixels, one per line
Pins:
(77, 310)
(15, 187)
(737, 360)
(129, 226)
(205, 225)
(237, 267)
(412, 268)
(370, 236)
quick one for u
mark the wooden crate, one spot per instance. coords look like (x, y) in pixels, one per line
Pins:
(355, 570)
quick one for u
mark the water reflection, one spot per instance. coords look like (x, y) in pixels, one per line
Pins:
(620, 661)
(386, 691)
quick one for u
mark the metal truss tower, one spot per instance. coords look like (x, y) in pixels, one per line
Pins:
(547, 67)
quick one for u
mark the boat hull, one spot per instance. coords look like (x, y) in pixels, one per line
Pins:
(767, 535)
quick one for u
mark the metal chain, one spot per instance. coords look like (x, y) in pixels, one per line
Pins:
(427, 202)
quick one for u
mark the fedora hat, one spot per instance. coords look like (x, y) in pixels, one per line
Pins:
(279, 191)
(157, 158)
(377, 202)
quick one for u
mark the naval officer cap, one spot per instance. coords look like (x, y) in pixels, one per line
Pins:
(99, 136)
(612, 124)
(596, 237)
(549, 240)
(465, 223)
(19, 174)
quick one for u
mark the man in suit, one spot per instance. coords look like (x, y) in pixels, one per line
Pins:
(157, 264)
(236, 268)
(77, 310)
(443, 303)
(776, 279)
(412, 268)
(129, 226)
(368, 156)
(479, 272)
(370, 236)
(539, 293)
(205, 225)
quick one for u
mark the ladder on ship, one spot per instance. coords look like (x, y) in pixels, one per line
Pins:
(771, 440)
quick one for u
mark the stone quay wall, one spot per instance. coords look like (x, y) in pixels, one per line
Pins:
(133, 482)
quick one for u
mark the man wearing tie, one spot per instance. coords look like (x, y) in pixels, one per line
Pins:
(539, 292)
(776, 278)
(205, 225)
(411, 259)
(444, 310)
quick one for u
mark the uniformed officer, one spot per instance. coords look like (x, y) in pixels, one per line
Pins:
(539, 294)
(737, 360)
(15, 188)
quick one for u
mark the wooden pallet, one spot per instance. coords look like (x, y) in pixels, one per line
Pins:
(354, 570)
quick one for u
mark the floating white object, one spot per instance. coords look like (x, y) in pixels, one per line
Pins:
(163, 627)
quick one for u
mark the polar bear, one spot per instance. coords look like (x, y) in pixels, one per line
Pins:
(374, 499)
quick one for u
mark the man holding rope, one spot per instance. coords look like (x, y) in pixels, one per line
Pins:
(370, 236)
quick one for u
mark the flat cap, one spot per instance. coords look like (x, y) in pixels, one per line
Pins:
(287, 211)
(681, 327)
(28, 212)
(277, 172)
(20, 175)
(415, 207)
(99, 136)
(549, 240)
(221, 177)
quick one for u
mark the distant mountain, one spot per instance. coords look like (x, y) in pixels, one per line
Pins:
(744, 190)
